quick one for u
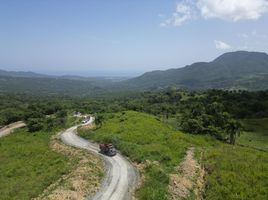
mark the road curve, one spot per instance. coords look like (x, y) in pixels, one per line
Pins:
(120, 176)
(11, 127)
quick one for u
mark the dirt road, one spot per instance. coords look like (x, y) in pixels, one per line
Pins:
(11, 127)
(120, 176)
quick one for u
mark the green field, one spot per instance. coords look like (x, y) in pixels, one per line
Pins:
(234, 172)
(256, 134)
(28, 165)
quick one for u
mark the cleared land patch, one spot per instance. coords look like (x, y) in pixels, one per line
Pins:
(189, 177)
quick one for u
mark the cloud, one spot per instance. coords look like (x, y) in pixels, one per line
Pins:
(233, 10)
(222, 45)
(184, 12)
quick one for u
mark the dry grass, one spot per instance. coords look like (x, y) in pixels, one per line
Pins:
(189, 177)
(83, 179)
(87, 127)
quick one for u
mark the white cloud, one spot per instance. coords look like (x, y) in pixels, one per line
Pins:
(222, 45)
(233, 10)
(184, 11)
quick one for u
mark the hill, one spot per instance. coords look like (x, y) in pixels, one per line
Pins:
(22, 74)
(33, 83)
(231, 170)
(234, 70)
(52, 85)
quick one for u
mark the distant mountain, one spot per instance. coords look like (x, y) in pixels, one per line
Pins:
(51, 86)
(22, 74)
(234, 70)
(34, 83)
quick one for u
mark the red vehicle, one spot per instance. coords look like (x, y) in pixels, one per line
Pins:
(107, 149)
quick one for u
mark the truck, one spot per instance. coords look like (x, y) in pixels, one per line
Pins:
(107, 149)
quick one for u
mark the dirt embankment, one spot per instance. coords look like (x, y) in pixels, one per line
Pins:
(11, 127)
(84, 178)
(188, 181)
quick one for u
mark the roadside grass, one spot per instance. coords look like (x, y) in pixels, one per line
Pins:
(28, 165)
(233, 172)
(256, 134)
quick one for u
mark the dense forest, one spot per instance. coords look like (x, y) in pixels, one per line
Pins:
(212, 112)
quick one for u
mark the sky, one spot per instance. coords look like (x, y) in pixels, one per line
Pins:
(125, 37)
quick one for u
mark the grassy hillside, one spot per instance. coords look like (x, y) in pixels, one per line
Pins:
(231, 170)
(236, 172)
(28, 165)
(256, 134)
(142, 137)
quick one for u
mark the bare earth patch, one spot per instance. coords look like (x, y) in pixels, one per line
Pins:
(11, 127)
(83, 179)
(188, 180)
(88, 126)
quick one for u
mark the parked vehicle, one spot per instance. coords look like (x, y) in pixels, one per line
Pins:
(107, 149)
(85, 121)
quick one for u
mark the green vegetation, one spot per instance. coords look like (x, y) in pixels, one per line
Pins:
(236, 173)
(231, 169)
(52, 86)
(28, 165)
(143, 137)
(148, 126)
(211, 119)
(256, 134)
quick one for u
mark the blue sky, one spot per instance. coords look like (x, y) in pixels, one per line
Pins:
(125, 37)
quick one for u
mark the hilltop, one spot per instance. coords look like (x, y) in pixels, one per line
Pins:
(234, 70)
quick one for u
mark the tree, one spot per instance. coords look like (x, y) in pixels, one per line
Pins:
(99, 119)
(34, 124)
(233, 128)
(210, 118)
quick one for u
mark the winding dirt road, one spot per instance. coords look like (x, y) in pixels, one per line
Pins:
(120, 176)
(11, 127)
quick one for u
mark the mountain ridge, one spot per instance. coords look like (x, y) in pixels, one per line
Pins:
(232, 70)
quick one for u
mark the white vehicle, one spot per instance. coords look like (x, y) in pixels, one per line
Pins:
(85, 121)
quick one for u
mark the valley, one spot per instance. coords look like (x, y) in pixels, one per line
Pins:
(173, 142)
(134, 100)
